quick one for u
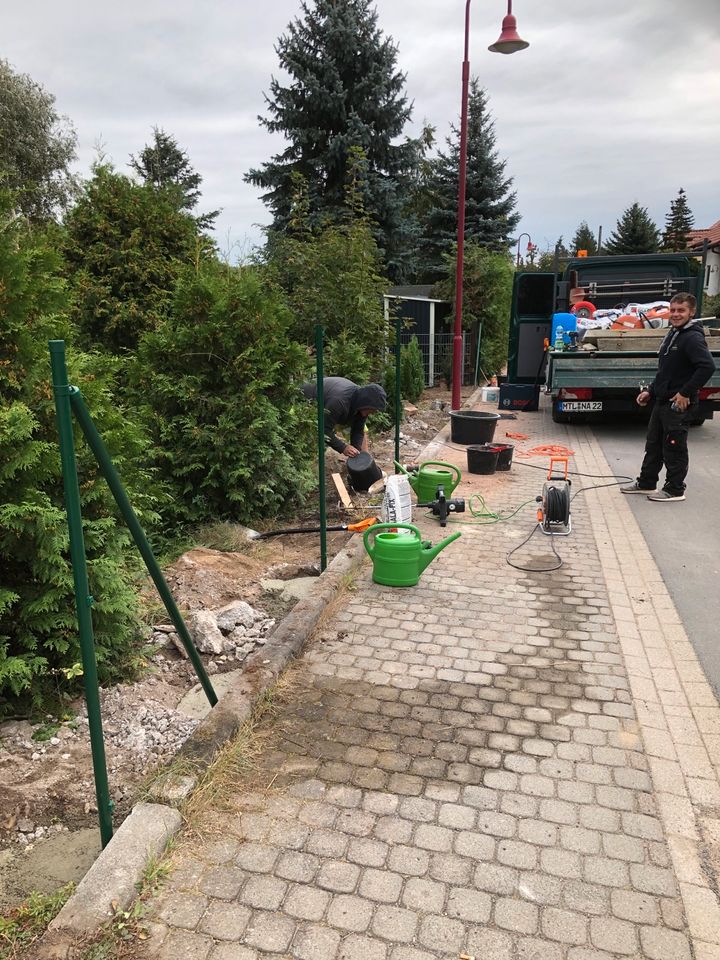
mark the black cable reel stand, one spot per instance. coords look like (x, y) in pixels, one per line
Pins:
(554, 512)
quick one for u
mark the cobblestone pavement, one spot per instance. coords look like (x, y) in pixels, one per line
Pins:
(509, 765)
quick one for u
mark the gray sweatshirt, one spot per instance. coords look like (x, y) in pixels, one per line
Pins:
(343, 400)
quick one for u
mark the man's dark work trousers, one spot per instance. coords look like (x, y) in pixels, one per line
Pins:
(666, 443)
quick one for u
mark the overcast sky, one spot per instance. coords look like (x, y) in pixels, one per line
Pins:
(613, 102)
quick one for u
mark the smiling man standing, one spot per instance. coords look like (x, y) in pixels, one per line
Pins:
(684, 365)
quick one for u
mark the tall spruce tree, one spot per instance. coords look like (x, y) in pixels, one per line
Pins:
(345, 90)
(584, 239)
(634, 232)
(678, 223)
(163, 165)
(490, 215)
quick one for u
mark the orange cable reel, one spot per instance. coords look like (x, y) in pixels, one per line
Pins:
(583, 309)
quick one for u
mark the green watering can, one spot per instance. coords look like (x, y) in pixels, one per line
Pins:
(398, 559)
(425, 482)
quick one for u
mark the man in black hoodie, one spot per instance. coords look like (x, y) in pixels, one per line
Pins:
(684, 365)
(350, 405)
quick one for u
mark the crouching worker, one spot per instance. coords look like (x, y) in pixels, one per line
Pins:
(348, 405)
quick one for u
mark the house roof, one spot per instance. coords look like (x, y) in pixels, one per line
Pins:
(696, 238)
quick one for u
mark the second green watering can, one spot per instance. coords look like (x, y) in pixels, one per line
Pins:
(399, 559)
(426, 481)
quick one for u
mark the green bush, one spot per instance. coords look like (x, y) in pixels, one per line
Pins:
(345, 357)
(711, 306)
(39, 647)
(220, 383)
(125, 245)
(412, 373)
(487, 293)
(333, 275)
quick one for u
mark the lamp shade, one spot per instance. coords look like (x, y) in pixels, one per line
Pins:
(509, 40)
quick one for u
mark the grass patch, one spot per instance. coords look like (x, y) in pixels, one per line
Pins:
(45, 732)
(119, 941)
(225, 536)
(237, 761)
(23, 926)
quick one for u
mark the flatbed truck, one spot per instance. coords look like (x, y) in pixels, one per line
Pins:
(605, 373)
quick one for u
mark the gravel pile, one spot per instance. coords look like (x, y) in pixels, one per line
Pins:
(234, 631)
(149, 733)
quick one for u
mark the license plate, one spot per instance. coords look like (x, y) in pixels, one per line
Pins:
(580, 406)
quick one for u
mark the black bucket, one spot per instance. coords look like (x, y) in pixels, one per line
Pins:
(472, 426)
(482, 458)
(505, 456)
(362, 471)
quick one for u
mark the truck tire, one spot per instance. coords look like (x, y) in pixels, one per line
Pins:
(557, 415)
(697, 422)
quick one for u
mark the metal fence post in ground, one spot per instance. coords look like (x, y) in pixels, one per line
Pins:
(319, 335)
(83, 600)
(398, 398)
(102, 455)
(477, 353)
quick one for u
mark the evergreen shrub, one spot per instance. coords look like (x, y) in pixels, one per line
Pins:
(39, 649)
(220, 379)
(412, 372)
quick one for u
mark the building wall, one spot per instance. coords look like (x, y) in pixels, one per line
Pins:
(712, 273)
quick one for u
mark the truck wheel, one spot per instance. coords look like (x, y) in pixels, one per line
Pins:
(697, 422)
(557, 415)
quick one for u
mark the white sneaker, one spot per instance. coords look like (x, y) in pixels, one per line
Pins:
(663, 496)
(634, 488)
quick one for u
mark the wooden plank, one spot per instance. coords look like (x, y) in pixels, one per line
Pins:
(342, 491)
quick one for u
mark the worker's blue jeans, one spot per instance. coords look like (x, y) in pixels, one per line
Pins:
(666, 443)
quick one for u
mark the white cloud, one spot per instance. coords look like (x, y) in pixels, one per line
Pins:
(612, 102)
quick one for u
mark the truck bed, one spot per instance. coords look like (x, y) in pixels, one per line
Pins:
(626, 369)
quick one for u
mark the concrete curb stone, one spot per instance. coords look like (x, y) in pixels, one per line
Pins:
(109, 886)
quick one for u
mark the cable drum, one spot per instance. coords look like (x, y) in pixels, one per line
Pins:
(556, 504)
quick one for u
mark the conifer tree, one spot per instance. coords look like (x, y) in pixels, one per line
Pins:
(163, 165)
(39, 651)
(490, 215)
(634, 232)
(584, 239)
(678, 223)
(345, 90)
(125, 244)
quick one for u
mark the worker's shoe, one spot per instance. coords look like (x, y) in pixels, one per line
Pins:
(636, 488)
(664, 496)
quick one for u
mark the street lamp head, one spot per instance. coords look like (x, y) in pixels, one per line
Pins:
(509, 40)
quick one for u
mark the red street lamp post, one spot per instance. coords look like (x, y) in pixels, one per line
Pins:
(507, 42)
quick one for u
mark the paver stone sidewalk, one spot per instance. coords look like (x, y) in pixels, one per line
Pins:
(510, 765)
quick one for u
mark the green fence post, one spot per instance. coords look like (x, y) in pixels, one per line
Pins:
(398, 398)
(102, 455)
(477, 353)
(319, 334)
(83, 600)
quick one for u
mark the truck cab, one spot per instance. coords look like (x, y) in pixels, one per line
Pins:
(604, 372)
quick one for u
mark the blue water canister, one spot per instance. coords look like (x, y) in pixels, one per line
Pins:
(568, 322)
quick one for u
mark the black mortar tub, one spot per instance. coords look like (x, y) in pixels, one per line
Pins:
(472, 426)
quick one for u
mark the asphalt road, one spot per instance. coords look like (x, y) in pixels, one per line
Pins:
(684, 537)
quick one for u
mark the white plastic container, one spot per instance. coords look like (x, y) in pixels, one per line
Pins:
(490, 394)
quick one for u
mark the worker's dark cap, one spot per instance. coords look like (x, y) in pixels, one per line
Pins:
(372, 395)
